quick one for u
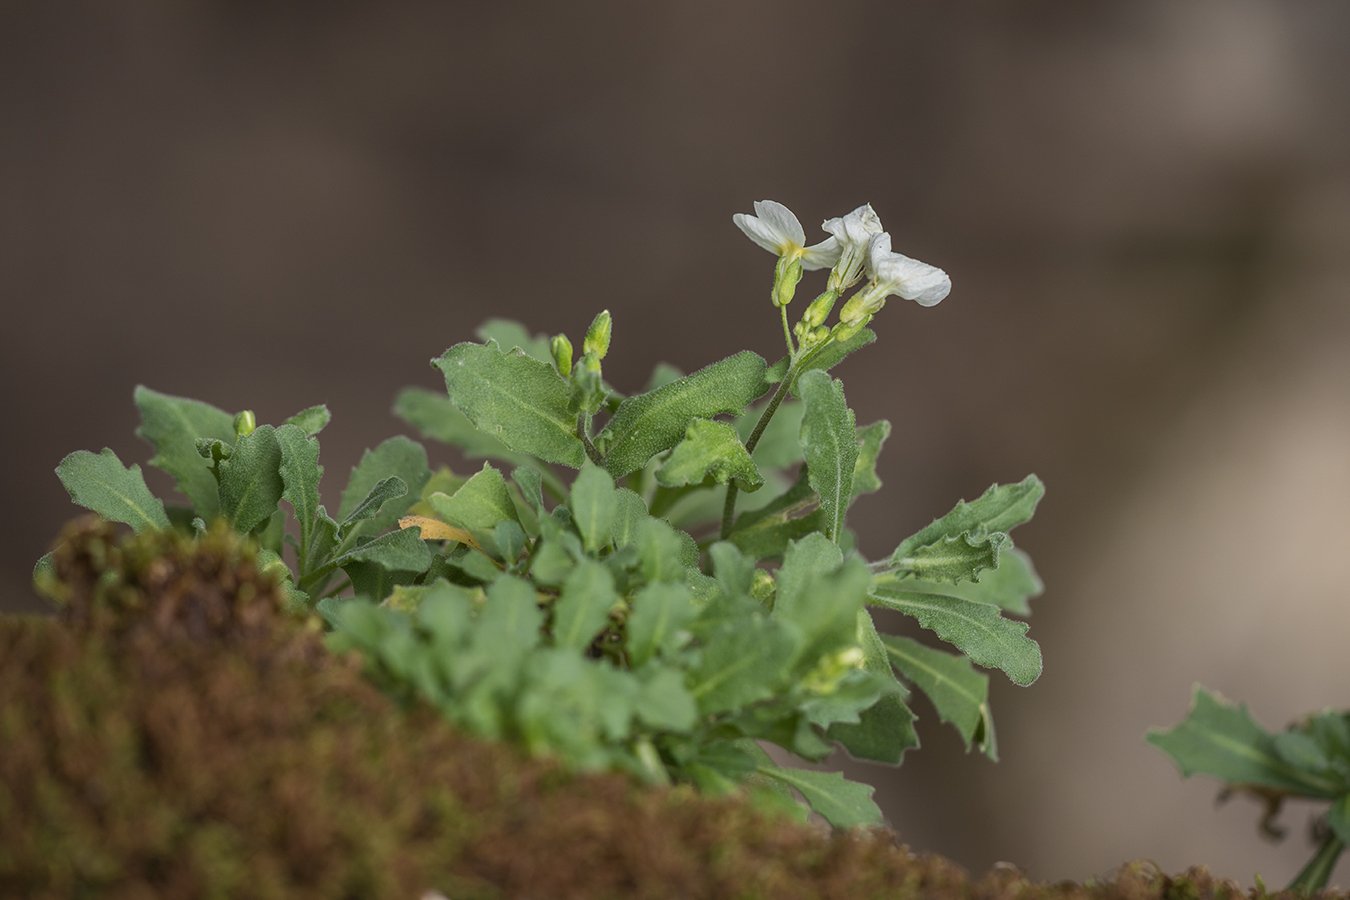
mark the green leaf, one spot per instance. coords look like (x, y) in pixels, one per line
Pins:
(664, 703)
(594, 507)
(1338, 818)
(531, 486)
(885, 730)
(391, 488)
(976, 629)
(710, 449)
(583, 609)
(517, 399)
(870, 439)
(743, 662)
(778, 447)
(959, 693)
(101, 483)
(399, 456)
(843, 803)
(174, 425)
(397, 551)
(735, 574)
(323, 541)
(512, 335)
(829, 439)
(650, 423)
(821, 594)
(250, 480)
(479, 504)
(300, 473)
(432, 413)
(952, 559)
(660, 550)
(656, 623)
(1219, 739)
(1008, 586)
(827, 359)
(1001, 508)
(311, 421)
(764, 533)
(630, 512)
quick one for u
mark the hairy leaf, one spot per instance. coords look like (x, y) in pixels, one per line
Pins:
(743, 662)
(300, 473)
(658, 617)
(630, 512)
(397, 457)
(843, 803)
(1001, 508)
(312, 420)
(959, 693)
(821, 594)
(976, 629)
(515, 398)
(953, 559)
(594, 506)
(710, 449)
(583, 609)
(397, 551)
(870, 439)
(511, 335)
(764, 533)
(479, 504)
(1009, 586)
(174, 425)
(1220, 739)
(829, 439)
(827, 359)
(101, 483)
(650, 423)
(391, 488)
(250, 480)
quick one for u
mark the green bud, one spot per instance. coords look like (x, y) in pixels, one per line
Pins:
(825, 677)
(591, 361)
(845, 330)
(561, 348)
(785, 277)
(819, 310)
(763, 589)
(244, 423)
(597, 337)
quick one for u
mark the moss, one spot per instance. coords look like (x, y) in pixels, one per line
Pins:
(174, 734)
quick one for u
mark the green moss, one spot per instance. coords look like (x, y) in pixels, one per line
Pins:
(173, 734)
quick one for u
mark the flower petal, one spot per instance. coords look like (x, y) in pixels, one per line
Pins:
(760, 232)
(856, 227)
(780, 218)
(926, 285)
(823, 255)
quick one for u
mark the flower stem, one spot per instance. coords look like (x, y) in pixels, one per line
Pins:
(586, 438)
(787, 332)
(1317, 872)
(794, 369)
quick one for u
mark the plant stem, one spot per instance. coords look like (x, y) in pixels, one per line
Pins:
(787, 332)
(729, 507)
(1317, 872)
(586, 438)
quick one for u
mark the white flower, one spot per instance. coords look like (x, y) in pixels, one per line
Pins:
(776, 229)
(894, 273)
(854, 233)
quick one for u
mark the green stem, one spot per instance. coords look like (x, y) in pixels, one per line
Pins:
(1317, 872)
(586, 438)
(787, 332)
(794, 368)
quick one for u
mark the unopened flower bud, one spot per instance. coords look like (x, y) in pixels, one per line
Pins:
(597, 337)
(819, 310)
(244, 423)
(561, 348)
(786, 274)
(845, 330)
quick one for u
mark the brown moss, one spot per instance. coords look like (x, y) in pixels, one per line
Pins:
(175, 735)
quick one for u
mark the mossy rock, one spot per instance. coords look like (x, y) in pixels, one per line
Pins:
(175, 734)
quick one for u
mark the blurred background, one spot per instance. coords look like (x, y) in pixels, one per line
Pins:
(1144, 207)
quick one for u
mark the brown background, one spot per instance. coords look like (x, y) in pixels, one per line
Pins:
(1144, 207)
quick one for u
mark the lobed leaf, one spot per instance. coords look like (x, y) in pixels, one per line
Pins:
(842, 803)
(829, 438)
(398, 457)
(174, 425)
(959, 693)
(870, 439)
(1220, 739)
(100, 482)
(1001, 508)
(976, 629)
(710, 449)
(953, 559)
(521, 401)
(250, 480)
(651, 423)
(512, 335)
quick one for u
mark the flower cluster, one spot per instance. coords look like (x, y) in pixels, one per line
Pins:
(857, 246)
